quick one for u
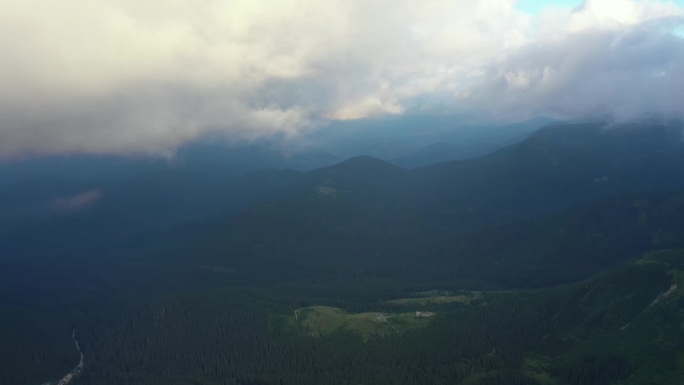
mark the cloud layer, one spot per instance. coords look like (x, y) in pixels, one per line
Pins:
(126, 76)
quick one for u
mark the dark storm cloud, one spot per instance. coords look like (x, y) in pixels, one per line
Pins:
(144, 77)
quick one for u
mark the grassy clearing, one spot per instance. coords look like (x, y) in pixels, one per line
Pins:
(321, 320)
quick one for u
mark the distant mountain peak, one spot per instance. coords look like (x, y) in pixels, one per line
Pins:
(363, 166)
(367, 161)
(601, 136)
(360, 174)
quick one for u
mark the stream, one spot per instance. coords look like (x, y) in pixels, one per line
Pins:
(77, 370)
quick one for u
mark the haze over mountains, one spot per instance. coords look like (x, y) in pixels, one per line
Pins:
(205, 177)
(568, 202)
(366, 203)
(565, 165)
(259, 192)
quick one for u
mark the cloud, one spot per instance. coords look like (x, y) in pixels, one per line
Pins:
(77, 202)
(126, 76)
(624, 72)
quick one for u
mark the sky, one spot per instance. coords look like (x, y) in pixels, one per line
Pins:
(535, 7)
(143, 77)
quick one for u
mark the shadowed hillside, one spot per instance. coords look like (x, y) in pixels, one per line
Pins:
(516, 268)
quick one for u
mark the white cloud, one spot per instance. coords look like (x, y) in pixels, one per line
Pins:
(627, 65)
(130, 76)
(77, 202)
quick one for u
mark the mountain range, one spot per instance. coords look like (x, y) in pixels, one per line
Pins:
(558, 256)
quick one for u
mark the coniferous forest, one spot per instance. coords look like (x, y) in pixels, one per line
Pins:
(556, 260)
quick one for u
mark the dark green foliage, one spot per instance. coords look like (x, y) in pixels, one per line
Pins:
(232, 337)
(334, 240)
(594, 370)
(36, 345)
(503, 377)
(211, 303)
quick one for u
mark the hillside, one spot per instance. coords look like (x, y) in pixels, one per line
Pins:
(335, 240)
(622, 326)
(521, 264)
(558, 167)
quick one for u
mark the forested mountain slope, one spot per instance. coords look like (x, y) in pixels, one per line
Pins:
(555, 168)
(622, 326)
(520, 264)
(308, 238)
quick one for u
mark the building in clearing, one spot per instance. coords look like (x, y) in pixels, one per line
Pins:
(424, 314)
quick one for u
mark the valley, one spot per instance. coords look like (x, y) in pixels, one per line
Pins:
(304, 192)
(555, 260)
